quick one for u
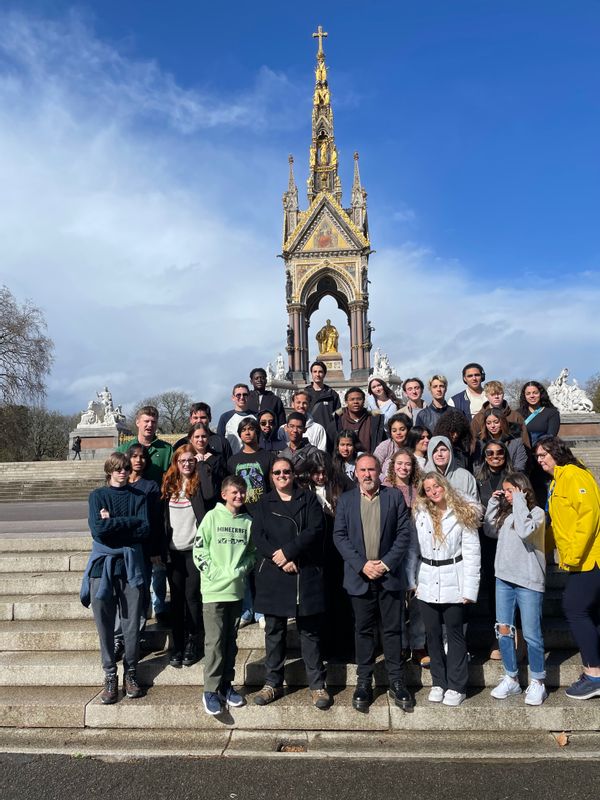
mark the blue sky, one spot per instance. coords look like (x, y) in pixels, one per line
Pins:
(143, 154)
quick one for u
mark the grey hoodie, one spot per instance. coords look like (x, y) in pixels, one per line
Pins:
(520, 556)
(457, 477)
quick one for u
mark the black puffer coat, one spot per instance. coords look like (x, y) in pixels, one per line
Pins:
(297, 528)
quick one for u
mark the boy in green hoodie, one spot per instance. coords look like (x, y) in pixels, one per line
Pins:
(224, 555)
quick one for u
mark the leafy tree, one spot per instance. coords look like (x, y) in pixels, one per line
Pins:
(26, 353)
(173, 407)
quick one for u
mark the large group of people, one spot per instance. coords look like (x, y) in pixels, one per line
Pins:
(371, 523)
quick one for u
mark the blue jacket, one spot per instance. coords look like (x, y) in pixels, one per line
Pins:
(462, 403)
(393, 546)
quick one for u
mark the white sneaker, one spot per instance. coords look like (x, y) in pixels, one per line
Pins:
(262, 623)
(453, 698)
(436, 694)
(536, 693)
(506, 687)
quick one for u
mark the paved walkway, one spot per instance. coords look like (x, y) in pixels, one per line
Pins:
(60, 517)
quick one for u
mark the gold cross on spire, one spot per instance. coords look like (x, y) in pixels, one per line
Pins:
(320, 35)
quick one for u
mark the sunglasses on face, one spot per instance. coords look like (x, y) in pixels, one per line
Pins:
(241, 396)
(281, 472)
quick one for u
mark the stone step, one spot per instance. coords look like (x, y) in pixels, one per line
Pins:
(42, 607)
(181, 707)
(82, 668)
(178, 707)
(31, 583)
(65, 468)
(62, 634)
(43, 561)
(56, 544)
(44, 707)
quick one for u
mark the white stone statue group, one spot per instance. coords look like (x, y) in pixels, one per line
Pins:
(569, 399)
(101, 412)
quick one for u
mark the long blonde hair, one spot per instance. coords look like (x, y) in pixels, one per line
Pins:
(467, 513)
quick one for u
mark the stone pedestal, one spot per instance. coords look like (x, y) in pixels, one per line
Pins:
(97, 442)
(580, 428)
(335, 366)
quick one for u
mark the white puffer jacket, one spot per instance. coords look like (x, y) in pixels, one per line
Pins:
(453, 582)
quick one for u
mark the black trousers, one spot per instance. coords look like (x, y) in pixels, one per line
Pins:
(581, 604)
(186, 601)
(451, 671)
(378, 606)
(309, 630)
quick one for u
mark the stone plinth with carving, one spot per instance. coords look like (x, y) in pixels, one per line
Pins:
(99, 427)
(569, 398)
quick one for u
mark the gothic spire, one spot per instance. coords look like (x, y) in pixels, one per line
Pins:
(358, 206)
(323, 173)
(290, 202)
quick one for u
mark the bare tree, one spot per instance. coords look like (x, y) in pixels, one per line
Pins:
(512, 389)
(26, 353)
(592, 387)
(173, 407)
(48, 434)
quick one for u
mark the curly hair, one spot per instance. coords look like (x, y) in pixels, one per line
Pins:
(415, 472)
(174, 482)
(454, 423)
(466, 512)
(519, 481)
(545, 401)
(559, 450)
(399, 417)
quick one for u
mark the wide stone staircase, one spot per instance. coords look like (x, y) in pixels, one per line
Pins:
(49, 480)
(50, 674)
(74, 480)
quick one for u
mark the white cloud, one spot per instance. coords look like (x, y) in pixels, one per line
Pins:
(149, 239)
(434, 317)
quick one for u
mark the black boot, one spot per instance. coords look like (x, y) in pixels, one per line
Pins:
(191, 653)
(400, 695)
(363, 696)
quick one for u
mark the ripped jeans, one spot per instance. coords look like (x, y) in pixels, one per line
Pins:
(508, 597)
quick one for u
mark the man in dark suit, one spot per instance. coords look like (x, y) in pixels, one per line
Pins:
(373, 536)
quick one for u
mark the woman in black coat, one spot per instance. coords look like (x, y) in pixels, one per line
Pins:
(287, 531)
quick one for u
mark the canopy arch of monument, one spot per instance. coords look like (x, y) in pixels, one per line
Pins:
(326, 283)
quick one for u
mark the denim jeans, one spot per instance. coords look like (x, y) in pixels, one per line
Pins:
(158, 589)
(508, 597)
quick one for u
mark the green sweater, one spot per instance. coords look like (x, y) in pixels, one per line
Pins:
(224, 554)
(160, 453)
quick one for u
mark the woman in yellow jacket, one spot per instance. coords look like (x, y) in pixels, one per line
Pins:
(574, 506)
